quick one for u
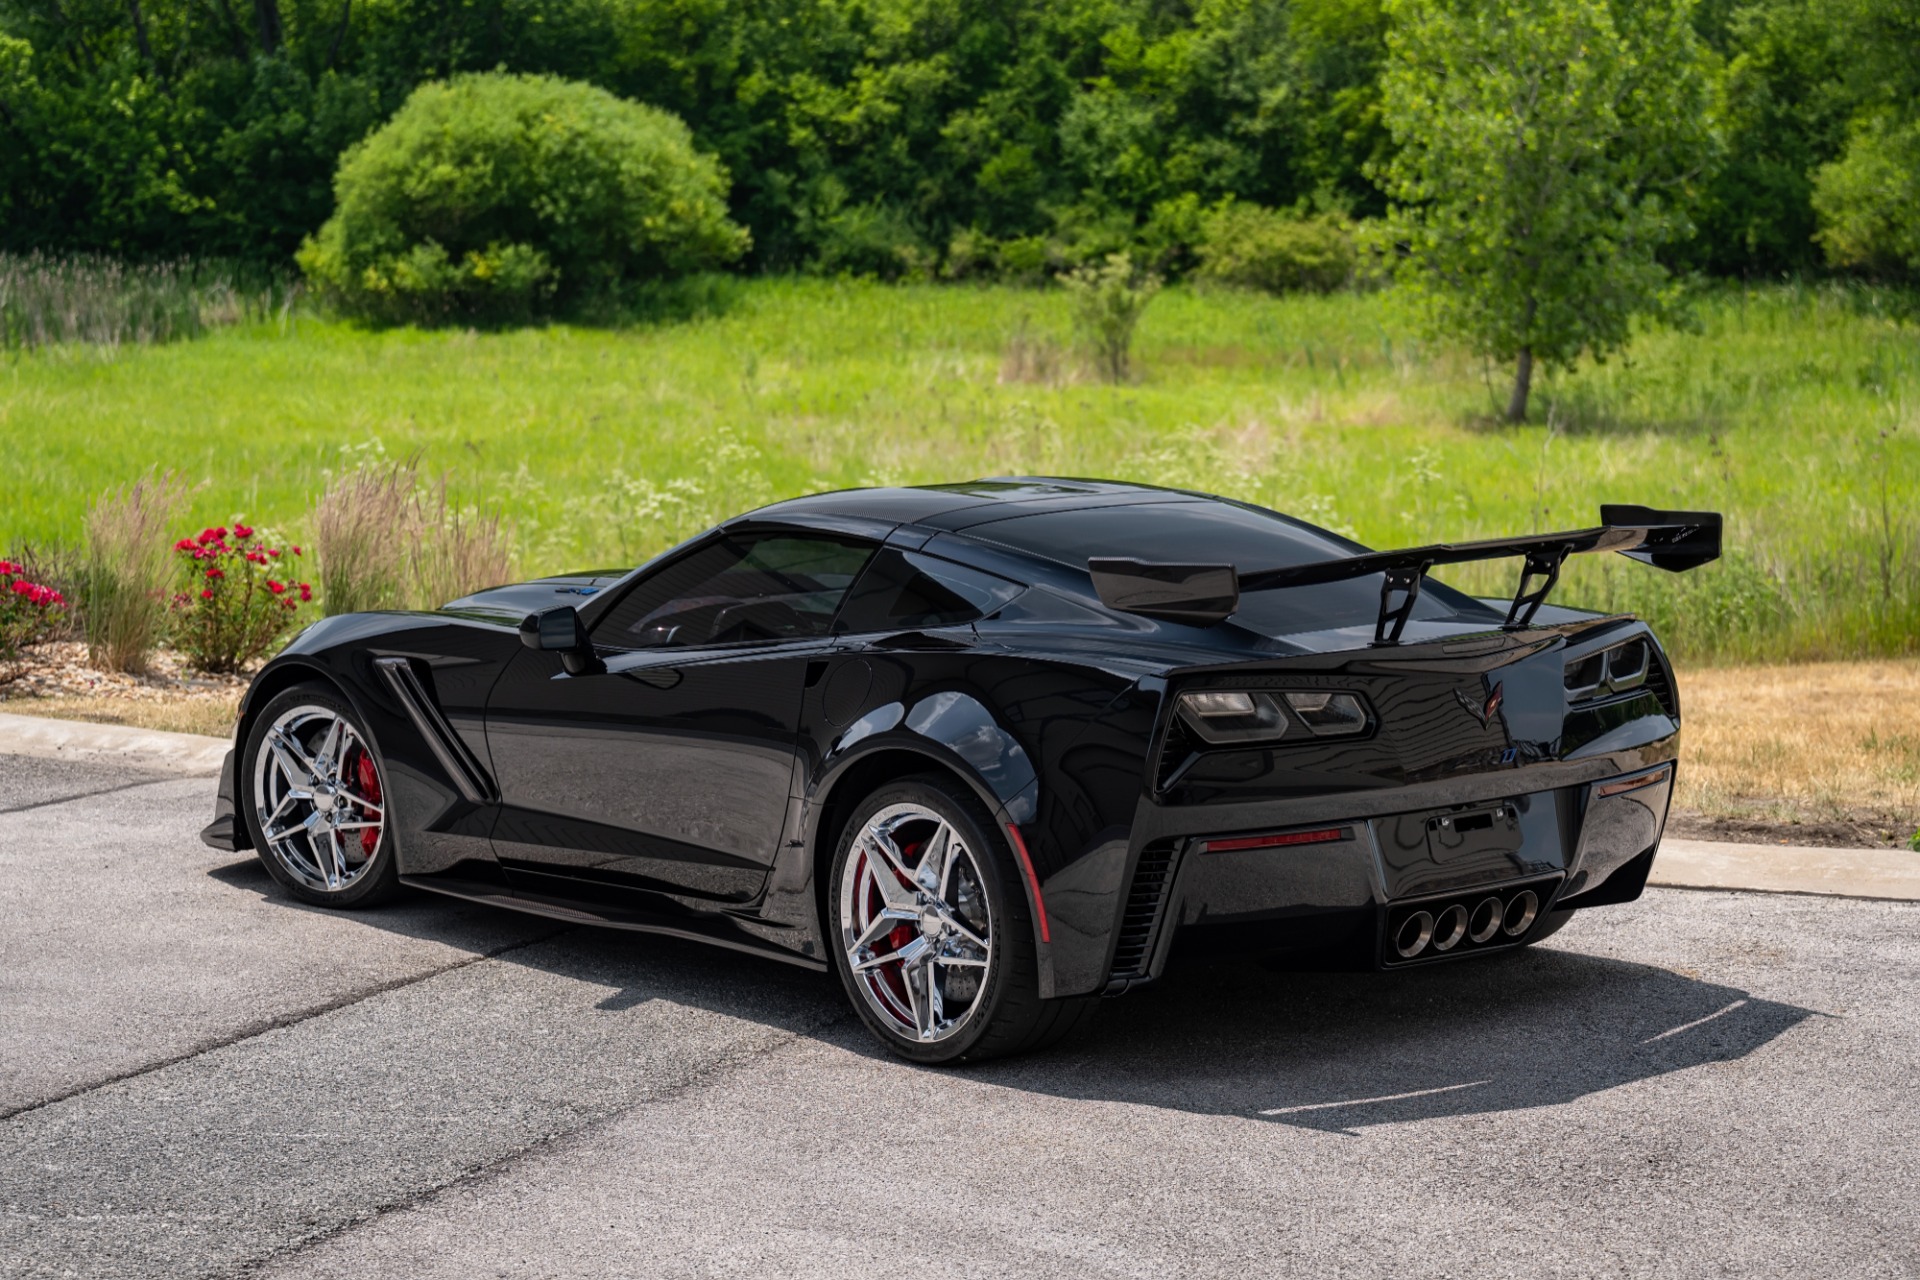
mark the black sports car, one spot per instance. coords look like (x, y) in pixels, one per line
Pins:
(989, 750)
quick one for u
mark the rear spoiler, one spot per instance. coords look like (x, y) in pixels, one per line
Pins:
(1204, 594)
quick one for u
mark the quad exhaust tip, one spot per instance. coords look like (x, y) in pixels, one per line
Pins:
(1415, 932)
(1422, 931)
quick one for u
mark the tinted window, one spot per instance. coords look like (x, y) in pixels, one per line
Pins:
(1221, 533)
(738, 590)
(904, 590)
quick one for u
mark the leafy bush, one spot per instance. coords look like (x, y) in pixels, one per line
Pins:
(235, 599)
(28, 612)
(496, 198)
(1109, 298)
(1244, 244)
(1869, 201)
(129, 570)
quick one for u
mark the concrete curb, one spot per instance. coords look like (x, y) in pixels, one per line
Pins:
(1782, 868)
(188, 754)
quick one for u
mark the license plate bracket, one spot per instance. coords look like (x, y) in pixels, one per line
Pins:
(1461, 833)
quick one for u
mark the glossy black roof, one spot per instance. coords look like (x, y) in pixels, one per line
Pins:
(956, 506)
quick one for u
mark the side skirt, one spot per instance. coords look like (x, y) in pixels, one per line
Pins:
(716, 933)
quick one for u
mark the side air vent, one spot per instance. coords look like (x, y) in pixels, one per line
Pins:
(1146, 901)
(466, 773)
(1660, 683)
(1175, 751)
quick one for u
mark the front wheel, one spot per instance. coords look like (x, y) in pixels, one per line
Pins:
(317, 800)
(934, 937)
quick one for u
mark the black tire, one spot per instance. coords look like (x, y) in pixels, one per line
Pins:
(374, 877)
(1007, 1016)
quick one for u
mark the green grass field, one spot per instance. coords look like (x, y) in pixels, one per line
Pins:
(1795, 411)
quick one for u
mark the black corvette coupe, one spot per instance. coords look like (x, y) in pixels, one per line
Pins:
(990, 750)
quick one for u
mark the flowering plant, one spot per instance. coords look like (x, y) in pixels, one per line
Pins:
(236, 597)
(27, 615)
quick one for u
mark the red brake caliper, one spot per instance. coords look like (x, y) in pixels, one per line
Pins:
(898, 936)
(369, 779)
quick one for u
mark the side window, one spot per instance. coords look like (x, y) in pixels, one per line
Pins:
(901, 591)
(755, 587)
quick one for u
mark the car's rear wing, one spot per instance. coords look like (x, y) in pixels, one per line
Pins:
(1204, 594)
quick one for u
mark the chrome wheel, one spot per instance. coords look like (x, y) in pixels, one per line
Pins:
(319, 798)
(915, 922)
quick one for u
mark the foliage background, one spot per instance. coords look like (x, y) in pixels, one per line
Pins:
(864, 136)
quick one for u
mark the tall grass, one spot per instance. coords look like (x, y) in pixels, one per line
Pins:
(105, 303)
(460, 550)
(385, 540)
(362, 530)
(1791, 409)
(130, 569)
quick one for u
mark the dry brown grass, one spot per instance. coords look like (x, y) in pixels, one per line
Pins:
(1832, 749)
(213, 717)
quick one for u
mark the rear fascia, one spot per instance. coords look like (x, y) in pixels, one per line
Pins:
(1426, 755)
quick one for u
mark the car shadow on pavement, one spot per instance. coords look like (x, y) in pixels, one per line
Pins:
(1330, 1051)
(1343, 1051)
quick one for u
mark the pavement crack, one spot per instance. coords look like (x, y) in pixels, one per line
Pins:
(721, 1065)
(89, 795)
(263, 1026)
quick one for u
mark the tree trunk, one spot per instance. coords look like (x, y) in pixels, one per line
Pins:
(267, 25)
(1522, 387)
(339, 33)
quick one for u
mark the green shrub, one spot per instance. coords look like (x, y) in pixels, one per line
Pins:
(1244, 244)
(496, 198)
(1869, 201)
(1109, 297)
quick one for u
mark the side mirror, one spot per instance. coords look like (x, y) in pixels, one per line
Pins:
(560, 630)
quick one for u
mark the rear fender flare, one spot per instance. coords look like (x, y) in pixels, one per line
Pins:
(947, 731)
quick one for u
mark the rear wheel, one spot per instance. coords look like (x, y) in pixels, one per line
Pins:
(933, 937)
(317, 800)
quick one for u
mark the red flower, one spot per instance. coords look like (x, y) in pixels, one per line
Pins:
(296, 551)
(185, 544)
(274, 552)
(276, 587)
(8, 566)
(216, 573)
(306, 593)
(214, 534)
(242, 532)
(207, 594)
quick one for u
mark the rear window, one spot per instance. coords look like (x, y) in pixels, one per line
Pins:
(1223, 533)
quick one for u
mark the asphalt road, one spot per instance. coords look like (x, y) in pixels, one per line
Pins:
(198, 1077)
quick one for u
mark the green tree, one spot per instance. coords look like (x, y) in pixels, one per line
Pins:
(1869, 198)
(493, 197)
(1546, 153)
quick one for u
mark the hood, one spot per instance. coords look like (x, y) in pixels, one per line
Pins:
(513, 602)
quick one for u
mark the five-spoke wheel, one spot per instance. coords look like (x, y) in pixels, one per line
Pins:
(318, 799)
(933, 931)
(915, 923)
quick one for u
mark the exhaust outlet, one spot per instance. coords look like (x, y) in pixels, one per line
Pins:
(1521, 909)
(1450, 928)
(1413, 935)
(1486, 919)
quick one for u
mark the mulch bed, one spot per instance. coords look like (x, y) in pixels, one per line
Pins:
(60, 670)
